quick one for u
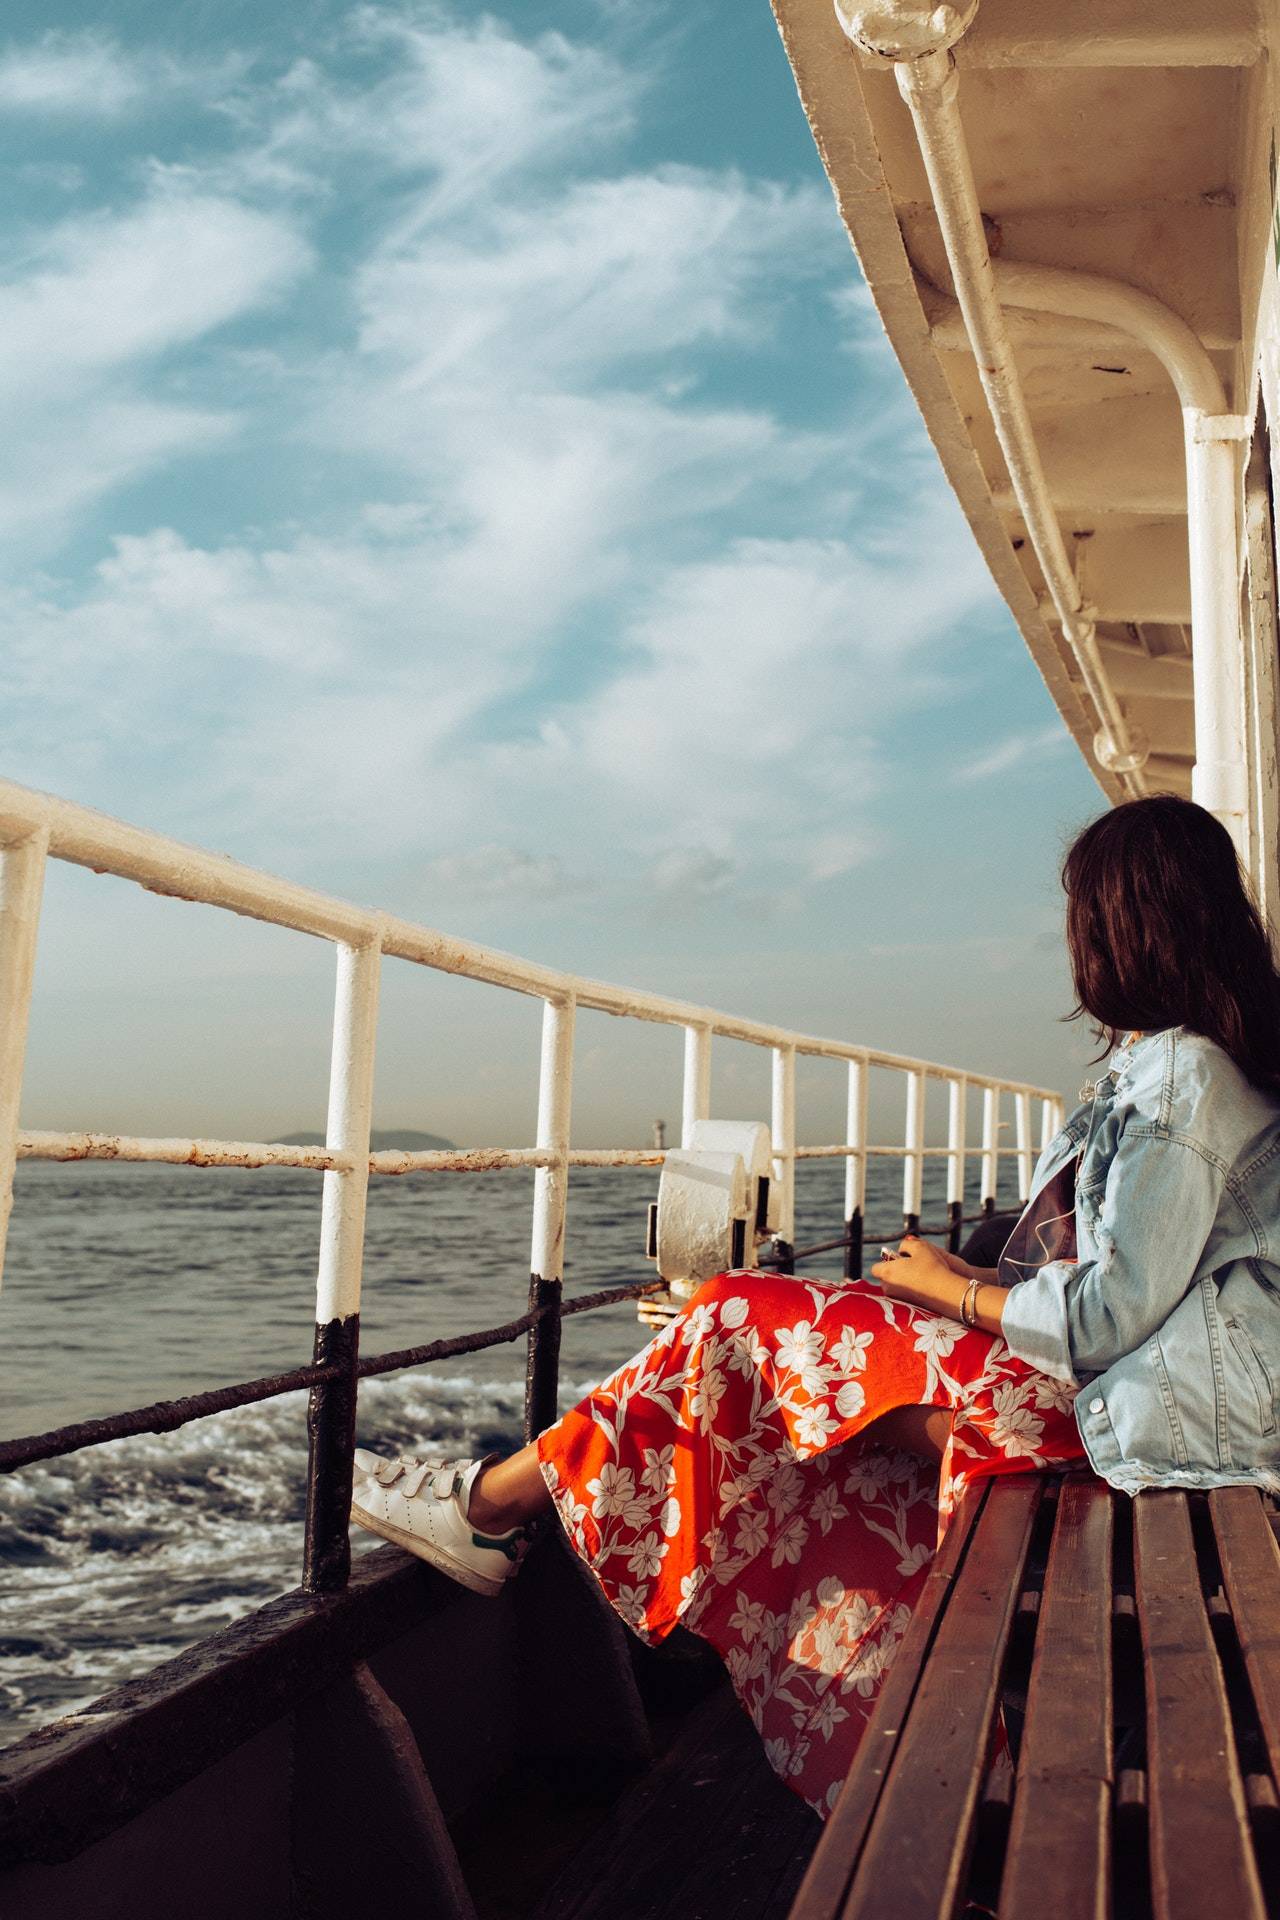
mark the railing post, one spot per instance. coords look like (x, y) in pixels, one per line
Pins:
(331, 1412)
(990, 1147)
(1022, 1120)
(550, 1197)
(855, 1170)
(21, 887)
(784, 1159)
(913, 1159)
(696, 1098)
(956, 1100)
(1049, 1121)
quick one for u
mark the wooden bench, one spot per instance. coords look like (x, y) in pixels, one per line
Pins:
(1130, 1651)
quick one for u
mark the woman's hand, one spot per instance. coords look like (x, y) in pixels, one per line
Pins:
(923, 1276)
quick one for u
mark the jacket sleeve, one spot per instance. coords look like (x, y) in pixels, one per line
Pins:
(1158, 1210)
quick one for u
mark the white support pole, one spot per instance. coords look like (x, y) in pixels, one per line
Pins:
(913, 1140)
(855, 1168)
(1049, 1122)
(990, 1146)
(550, 1203)
(331, 1416)
(957, 1091)
(784, 1140)
(342, 1208)
(21, 888)
(1022, 1118)
(555, 1104)
(696, 1099)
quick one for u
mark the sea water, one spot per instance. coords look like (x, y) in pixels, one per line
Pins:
(127, 1284)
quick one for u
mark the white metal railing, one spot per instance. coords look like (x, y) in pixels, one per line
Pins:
(35, 827)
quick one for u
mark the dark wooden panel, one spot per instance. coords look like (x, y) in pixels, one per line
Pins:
(1059, 1839)
(367, 1832)
(709, 1833)
(824, 1886)
(1251, 1576)
(917, 1850)
(1201, 1858)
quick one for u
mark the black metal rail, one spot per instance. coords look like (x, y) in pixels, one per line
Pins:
(163, 1416)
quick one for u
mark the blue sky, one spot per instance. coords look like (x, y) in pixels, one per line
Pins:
(452, 460)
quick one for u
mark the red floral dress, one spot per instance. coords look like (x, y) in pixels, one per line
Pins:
(717, 1480)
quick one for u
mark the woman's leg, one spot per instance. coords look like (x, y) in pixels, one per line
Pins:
(513, 1491)
(509, 1493)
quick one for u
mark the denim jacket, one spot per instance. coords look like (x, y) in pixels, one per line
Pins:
(1168, 1320)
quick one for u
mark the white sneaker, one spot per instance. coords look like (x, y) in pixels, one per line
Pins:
(422, 1506)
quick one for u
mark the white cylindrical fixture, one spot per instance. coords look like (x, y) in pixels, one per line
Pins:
(1022, 1120)
(913, 1140)
(956, 1103)
(990, 1143)
(555, 1103)
(1219, 779)
(696, 1099)
(784, 1139)
(855, 1167)
(21, 887)
(342, 1207)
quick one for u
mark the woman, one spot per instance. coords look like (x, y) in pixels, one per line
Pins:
(774, 1469)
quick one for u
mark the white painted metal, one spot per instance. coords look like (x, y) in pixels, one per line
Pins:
(1022, 1121)
(957, 1102)
(990, 1142)
(1210, 435)
(82, 837)
(700, 1196)
(926, 78)
(555, 1101)
(21, 886)
(177, 1152)
(167, 866)
(855, 1171)
(913, 1141)
(784, 1139)
(1049, 1123)
(696, 1093)
(342, 1206)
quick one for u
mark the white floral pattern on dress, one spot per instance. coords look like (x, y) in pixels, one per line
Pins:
(718, 1480)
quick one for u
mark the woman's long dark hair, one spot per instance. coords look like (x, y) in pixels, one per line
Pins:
(1162, 933)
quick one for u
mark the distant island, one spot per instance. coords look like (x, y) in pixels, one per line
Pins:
(381, 1140)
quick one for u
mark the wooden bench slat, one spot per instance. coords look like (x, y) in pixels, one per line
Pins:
(1251, 1576)
(826, 1882)
(1059, 1841)
(921, 1834)
(1201, 1854)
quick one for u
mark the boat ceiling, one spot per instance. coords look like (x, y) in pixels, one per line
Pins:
(1116, 136)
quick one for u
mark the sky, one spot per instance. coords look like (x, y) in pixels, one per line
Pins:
(452, 460)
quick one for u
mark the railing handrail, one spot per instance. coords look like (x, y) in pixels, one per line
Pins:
(85, 838)
(37, 827)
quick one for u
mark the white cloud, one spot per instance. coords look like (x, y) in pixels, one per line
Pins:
(88, 75)
(94, 307)
(494, 872)
(469, 104)
(692, 871)
(1012, 752)
(547, 610)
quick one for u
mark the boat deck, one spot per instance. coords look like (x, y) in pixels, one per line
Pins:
(707, 1833)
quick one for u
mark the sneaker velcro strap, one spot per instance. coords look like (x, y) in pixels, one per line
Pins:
(414, 1478)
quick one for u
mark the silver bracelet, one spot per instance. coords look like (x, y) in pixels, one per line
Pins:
(969, 1304)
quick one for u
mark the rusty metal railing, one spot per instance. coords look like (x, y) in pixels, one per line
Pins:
(36, 827)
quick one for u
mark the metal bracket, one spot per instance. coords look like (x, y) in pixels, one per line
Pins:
(1208, 427)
